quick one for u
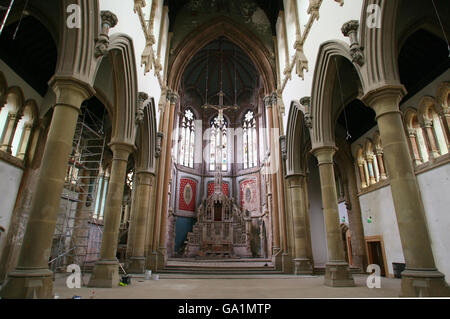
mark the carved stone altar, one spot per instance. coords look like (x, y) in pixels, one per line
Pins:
(221, 230)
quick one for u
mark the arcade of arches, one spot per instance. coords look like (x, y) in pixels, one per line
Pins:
(248, 137)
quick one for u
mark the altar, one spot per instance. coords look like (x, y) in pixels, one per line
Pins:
(221, 230)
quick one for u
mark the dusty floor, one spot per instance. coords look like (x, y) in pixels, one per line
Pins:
(230, 287)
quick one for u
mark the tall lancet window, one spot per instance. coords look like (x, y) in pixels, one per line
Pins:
(187, 127)
(218, 147)
(250, 140)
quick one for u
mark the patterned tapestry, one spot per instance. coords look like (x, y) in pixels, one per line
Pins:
(249, 195)
(188, 188)
(225, 188)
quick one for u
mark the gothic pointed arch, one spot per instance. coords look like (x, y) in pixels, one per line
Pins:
(336, 82)
(76, 46)
(297, 136)
(212, 30)
(146, 140)
(123, 88)
(381, 51)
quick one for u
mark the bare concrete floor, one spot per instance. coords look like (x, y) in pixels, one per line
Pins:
(231, 287)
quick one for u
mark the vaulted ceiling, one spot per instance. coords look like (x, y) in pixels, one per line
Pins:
(270, 7)
(220, 65)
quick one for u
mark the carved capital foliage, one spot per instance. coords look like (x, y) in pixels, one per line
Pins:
(109, 20)
(159, 137)
(308, 121)
(283, 147)
(349, 27)
(274, 98)
(412, 132)
(142, 97)
(306, 101)
(268, 101)
(446, 112)
(357, 56)
(172, 97)
(427, 123)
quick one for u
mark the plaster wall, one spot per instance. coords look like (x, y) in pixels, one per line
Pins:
(434, 186)
(10, 177)
(379, 205)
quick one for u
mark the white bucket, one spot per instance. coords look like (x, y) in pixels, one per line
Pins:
(148, 275)
(155, 277)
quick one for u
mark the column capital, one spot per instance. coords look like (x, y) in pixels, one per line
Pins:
(268, 101)
(172, 97)
(349, 27)
(121, 151)
(109, 20)
(325, 154)
(385, 99)
(427, 123)
(412, 132)
(445, 111)
(144, 177)
(142, 96)
(70, 92)
(306, 102)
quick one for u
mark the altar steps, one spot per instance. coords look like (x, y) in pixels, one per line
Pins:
(220, 267)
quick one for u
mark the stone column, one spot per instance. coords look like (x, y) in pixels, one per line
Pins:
(106, 270)
(276, 249)
(428, 127)
(8, 137)
(32, 278)
(371, 169)
(152, 261)
(23, 146)
(381, 163)
(412, 134)
(337, 273)
(445, 118)
(420, 278)
(139, 216)
(173, 97)
(297, 191)
(362, 174)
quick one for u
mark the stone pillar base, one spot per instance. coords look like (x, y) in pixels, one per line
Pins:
(152, 262)
(287, 264)
(28, 284)
(136, 265)
(105, 274)
(161, 259)
(302, 266)
(424, 283)
(277, 259)
(337, 274)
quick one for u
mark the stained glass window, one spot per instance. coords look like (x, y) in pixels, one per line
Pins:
(218, 136)
(250, 140)
(187, 134)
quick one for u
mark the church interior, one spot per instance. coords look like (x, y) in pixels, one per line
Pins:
(274, 148)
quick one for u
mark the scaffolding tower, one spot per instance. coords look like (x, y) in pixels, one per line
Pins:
(76, 239)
